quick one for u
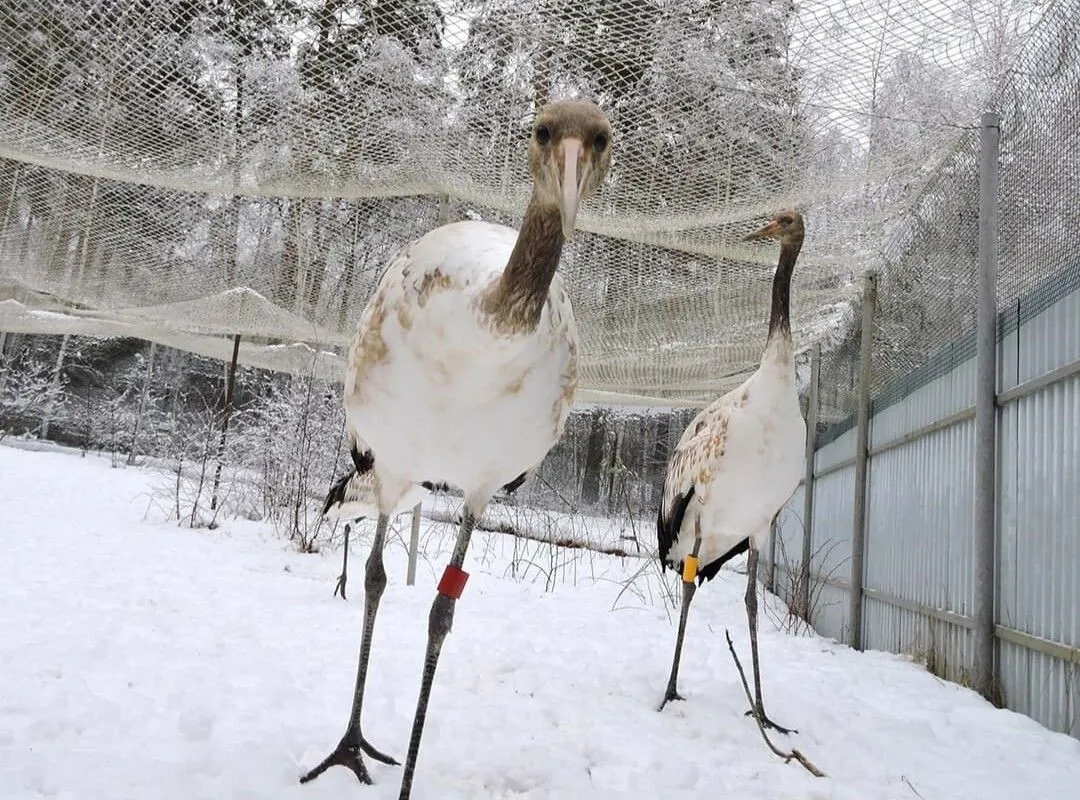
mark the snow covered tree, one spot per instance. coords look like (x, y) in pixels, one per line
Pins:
(27, 387)
(710, 77)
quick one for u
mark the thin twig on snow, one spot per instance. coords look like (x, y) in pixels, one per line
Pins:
(794, 755)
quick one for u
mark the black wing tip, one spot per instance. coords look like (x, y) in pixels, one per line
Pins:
(336, 495)
(515, 484)
(444, 487)
(667, 528)
(712, 569)
(667, 532)
(362, 462)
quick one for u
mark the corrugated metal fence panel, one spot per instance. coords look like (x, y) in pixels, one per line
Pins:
(1007, 367)
(840, 449)
(830, 559)
(1039, 574)
(919, 545)
(938, 399)
(789, 539)
(1045, 688)
(1039, 513)
(1051, 338)
(1013, 672)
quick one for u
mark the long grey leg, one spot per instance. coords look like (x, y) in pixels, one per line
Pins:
(688, 590)
(752, 619)
(440, 621)
(347, 753)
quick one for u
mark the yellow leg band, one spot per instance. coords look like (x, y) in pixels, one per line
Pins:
(689, 569)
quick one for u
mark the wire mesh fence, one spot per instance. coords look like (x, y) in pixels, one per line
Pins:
(188, 171)
(927, 268)
(905, 575)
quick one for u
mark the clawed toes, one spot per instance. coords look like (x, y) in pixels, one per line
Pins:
(668, 699)
(340, 587)
(342, 759)
(769, 724)
(348, 755)
(378, 755)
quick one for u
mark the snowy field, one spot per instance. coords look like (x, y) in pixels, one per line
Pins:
(141, 660)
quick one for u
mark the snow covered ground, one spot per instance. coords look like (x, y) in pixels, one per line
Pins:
(141, 660)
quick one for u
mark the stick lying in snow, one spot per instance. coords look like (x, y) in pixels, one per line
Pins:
(788, 757)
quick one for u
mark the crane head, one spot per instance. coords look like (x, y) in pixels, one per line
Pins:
(787, 227)
(569, 155)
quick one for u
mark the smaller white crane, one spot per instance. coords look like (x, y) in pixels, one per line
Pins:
(737, 464)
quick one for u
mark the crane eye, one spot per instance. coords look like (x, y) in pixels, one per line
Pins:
(600, 142)
(543, 134)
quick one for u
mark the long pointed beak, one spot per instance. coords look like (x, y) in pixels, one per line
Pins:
(570, 196)
(765, 232)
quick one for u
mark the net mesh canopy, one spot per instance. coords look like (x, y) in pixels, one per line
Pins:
(193, 170)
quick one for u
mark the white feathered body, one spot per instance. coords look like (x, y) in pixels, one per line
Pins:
(435, 389)
(743, 456)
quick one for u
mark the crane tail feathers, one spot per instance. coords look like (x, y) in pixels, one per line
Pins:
(343, 489)
(347, 489)
(667, 533)
(515, 484)
(336, 495)
(668, 525)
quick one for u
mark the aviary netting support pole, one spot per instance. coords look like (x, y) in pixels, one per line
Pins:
(812, 405)
(230, 390)
(133, 453)
(984, 526)
(862, 462)
(770, 570)
(414, 533)
(414, 546)
(3, 355)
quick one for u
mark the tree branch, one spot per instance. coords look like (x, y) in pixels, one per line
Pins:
(794, 755)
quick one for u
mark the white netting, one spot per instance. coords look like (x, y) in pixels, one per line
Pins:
(187, 171)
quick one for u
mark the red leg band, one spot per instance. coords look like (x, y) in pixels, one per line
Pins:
(452, 583)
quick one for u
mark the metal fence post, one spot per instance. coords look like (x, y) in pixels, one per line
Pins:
(862, 440)
(226, 415)
(414, 546)
(414, 533)
(770, 570)
(983, 671)
(812, 404)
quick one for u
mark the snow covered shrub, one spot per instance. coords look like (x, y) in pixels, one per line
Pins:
(27, 386)
(293, 438)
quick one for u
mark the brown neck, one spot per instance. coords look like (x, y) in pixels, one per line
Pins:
(780, 315)
(516, 303)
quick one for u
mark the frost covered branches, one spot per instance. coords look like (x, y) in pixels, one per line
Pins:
(27, 388)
